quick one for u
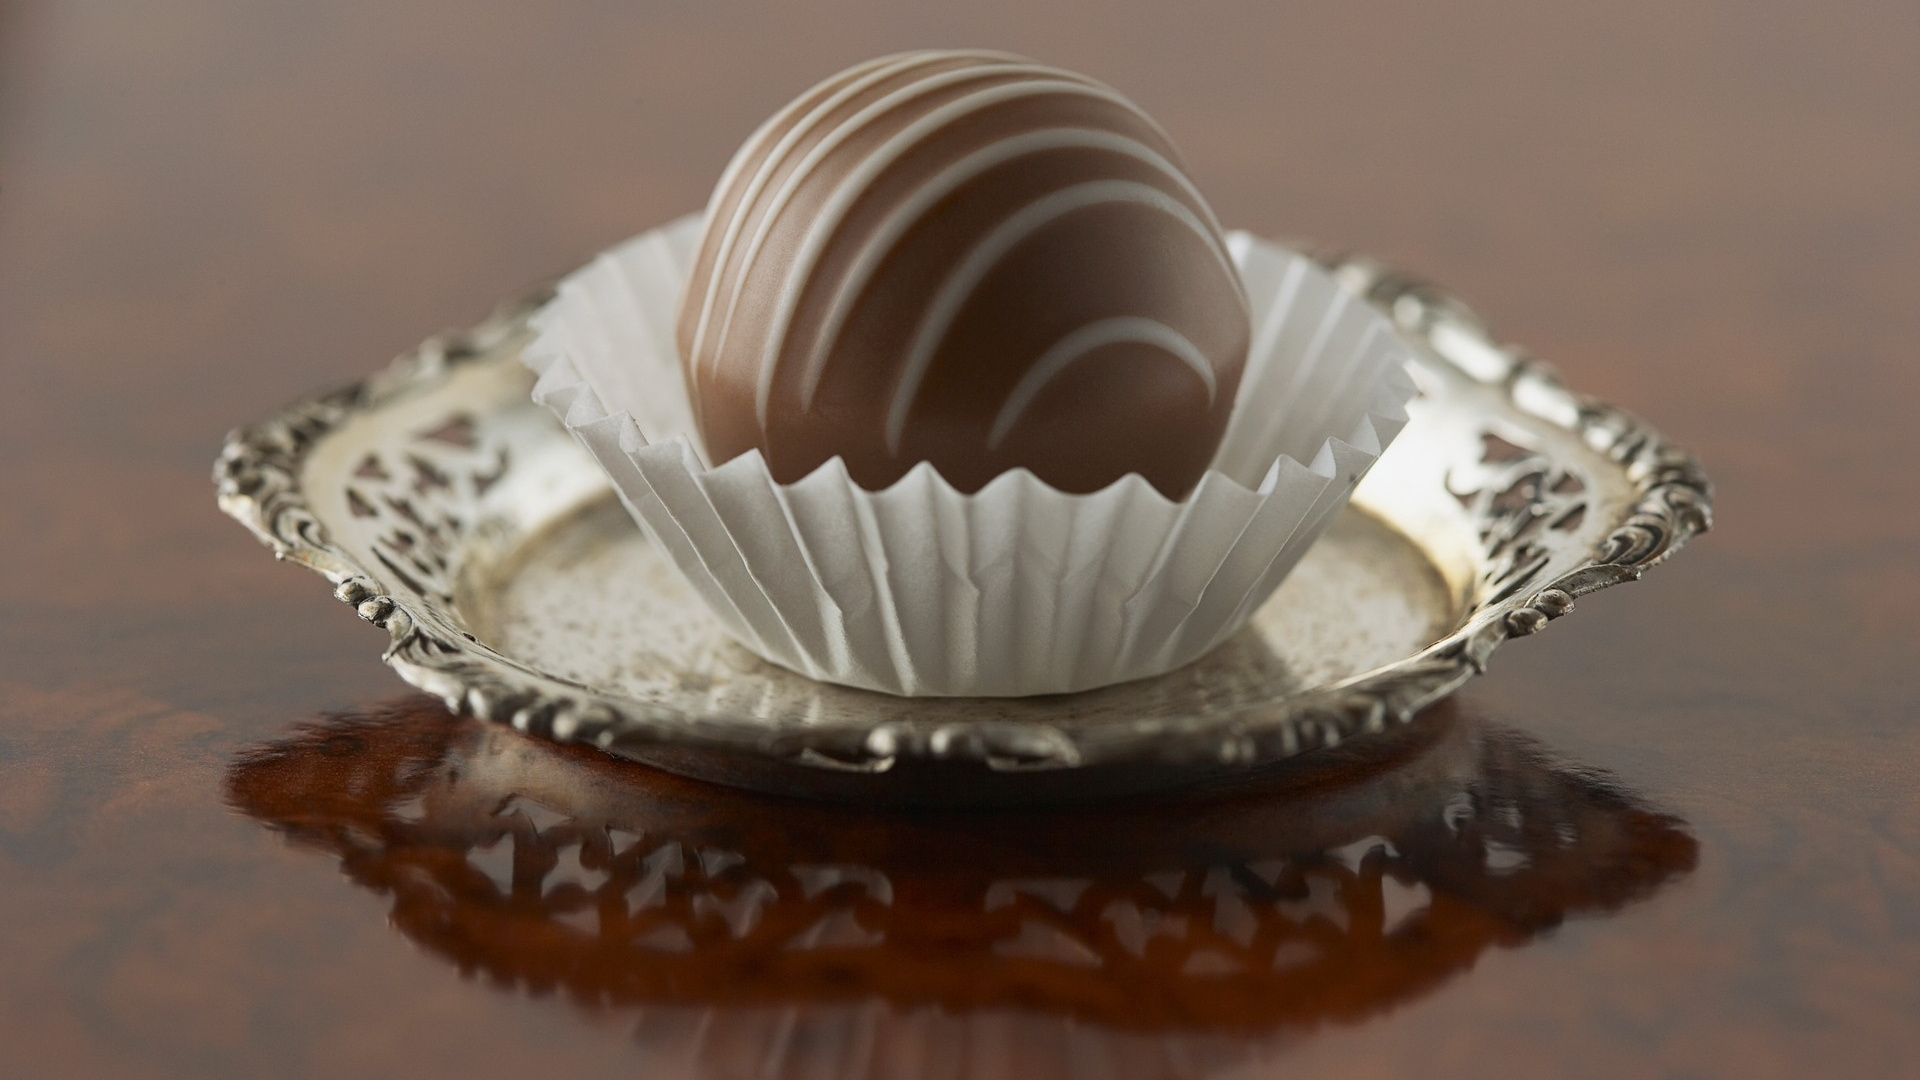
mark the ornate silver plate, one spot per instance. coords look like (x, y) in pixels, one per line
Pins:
(452, 511)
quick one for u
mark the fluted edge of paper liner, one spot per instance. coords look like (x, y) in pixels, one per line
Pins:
(1019, 588)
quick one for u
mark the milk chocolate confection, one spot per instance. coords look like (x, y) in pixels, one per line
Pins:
(970, 259)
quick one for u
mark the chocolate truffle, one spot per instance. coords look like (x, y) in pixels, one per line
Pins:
(969, 259)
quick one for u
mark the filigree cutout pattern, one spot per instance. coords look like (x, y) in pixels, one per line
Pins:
(624, 886)
(1528, 510)
(1517, 493)
(418, 500)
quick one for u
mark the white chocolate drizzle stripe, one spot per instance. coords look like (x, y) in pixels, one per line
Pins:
(815, 154)
(773, 123)
(854, 184)
(959, 285)
(744, 207)
(1131, 329)
(909, 213)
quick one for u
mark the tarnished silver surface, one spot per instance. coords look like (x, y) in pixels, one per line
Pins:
(452, 511)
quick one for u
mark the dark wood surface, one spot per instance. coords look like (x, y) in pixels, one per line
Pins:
(1678, 835)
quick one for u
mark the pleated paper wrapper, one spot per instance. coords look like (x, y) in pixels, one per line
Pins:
(1018, 588)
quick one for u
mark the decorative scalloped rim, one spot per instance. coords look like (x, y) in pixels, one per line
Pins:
(258, 476)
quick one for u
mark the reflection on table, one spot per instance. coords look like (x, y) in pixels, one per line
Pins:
(751, 936)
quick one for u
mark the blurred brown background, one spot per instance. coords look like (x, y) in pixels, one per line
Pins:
(1707, 212)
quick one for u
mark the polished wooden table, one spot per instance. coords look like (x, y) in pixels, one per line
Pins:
(1678, 835)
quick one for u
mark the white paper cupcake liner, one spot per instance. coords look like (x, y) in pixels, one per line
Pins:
(1018, 588)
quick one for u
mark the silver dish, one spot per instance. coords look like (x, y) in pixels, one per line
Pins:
(458, 515)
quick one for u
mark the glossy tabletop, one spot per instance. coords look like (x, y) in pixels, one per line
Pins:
(1676, 835)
